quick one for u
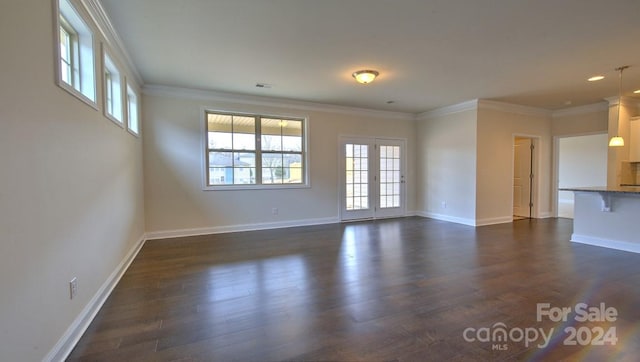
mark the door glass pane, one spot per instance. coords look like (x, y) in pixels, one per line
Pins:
(389, 177)
(357, 182)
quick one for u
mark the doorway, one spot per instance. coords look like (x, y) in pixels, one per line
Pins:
(581, 161)
(523, 177)
(372, 181)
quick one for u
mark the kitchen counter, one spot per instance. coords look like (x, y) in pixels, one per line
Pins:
(607, 216)
(622, 189)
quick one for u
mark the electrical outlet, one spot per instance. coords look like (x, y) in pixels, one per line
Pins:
(73, 288)
(274, 211)
(444, 204)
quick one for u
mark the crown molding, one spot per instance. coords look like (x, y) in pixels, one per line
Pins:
(110, 35)
(443, 111)
(217, 96)
(513, 108)
(578, 110)
(476, 104)
(626, 101)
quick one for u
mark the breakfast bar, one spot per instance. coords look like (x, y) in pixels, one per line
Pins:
(607, 217)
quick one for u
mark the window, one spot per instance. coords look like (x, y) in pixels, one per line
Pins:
(133, 125)
(244, 149)
(112, 91)
(76, 66)
(68, 52)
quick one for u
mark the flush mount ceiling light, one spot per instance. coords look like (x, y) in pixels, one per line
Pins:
(596, 78)
(618, 141)
(365, 76)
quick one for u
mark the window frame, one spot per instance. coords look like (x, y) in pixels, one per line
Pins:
(72, 53)
(84, 80)
(112, 89)
(306, 182)
(130, 91)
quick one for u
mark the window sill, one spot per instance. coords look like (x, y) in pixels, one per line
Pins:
(79, 95)
(256, 187)
(131, 132)
(114, 119)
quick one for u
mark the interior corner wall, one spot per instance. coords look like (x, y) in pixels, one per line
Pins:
(446, 166)
(176, 202)
(496, 130)
(71, 200)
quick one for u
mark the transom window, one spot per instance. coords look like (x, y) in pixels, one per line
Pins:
(112, 90)
(133, 125)
(68, 51)
(76, 71)
(245, 149)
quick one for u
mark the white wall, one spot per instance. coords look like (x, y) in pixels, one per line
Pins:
(582, 162)
(175, 201)
(581, 120)
(574, 122)
(496, 130)
(71, 200)
(446, 166)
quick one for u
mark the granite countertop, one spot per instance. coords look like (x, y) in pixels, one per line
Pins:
(616, 190)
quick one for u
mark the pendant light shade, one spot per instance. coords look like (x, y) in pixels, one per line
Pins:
(616, 141)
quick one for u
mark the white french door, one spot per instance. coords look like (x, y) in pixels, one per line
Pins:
(372, 178)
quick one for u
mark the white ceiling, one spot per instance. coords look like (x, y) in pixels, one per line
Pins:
(429, 53)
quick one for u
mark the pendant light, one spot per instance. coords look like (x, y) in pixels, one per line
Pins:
(618, 141)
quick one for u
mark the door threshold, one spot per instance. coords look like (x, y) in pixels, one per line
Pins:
(375, 218)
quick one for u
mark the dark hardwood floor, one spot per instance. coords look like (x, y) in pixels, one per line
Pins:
(391, 290)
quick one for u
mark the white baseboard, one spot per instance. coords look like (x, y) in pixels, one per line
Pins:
(545, 215)
(611, 244)
(442, 217)
(494, 220)
(72, 335)
(178, 233)
(465, 221)
(235, 228)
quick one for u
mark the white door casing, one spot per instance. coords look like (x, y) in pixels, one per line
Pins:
(372, 181)
(522, 172)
